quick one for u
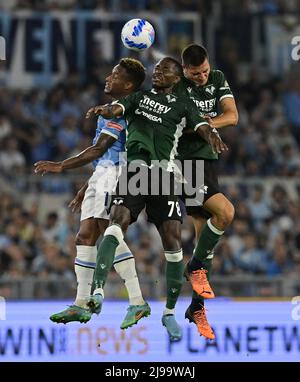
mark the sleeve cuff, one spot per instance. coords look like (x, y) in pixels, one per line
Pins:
(200, 124)
(122, 106)
(225, 96)
(109, 133)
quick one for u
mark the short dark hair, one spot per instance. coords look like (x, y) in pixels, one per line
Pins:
(177, 64)
(194, 55)
(135, 71)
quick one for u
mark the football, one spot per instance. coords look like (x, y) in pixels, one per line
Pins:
(138, 34)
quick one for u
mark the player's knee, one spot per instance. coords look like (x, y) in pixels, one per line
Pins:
(116, 231)
(226, 215)
(84, 238)
(170, 235)
(230, 212)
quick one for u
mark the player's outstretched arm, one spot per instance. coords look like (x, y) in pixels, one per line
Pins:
(86, 156)
(107, 111)
(212, 136)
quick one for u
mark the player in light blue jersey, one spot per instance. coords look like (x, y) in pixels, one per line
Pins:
(117, 129)
(105, 153)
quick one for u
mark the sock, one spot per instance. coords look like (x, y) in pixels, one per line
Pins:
(195, 264)
(198, 301)
(207, 264)
(209, 237)
(85, 263)
(113, 235)
(168, 312)
(99, 291)
(124, 264)
(174, 275)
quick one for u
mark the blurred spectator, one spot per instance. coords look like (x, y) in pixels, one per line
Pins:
(11, 159)
(291, 100)
(51, 227)
(239, 229)
(251, 258)
(281, 264)
(51, 261)
(5, 127)
(259, 206)
(68, 136)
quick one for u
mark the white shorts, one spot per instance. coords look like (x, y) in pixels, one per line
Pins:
(101, 184)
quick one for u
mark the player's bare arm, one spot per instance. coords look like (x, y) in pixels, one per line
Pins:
(75, 204)
(107, 111)
(229, 115)
(86, 156)
(212, 136)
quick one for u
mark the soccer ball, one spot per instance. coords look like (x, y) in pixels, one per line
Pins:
(137, 34)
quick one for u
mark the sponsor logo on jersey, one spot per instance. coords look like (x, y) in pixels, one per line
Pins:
(153, 118)
(152, 105)
(206, 105)
(210, 114)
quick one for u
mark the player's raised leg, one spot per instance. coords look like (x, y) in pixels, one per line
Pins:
(222, 214)
(196, 312)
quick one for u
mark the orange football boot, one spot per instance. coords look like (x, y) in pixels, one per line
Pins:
(199, 318)
(199, 282)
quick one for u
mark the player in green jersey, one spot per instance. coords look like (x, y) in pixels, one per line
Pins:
(209, 91)
(154, 126)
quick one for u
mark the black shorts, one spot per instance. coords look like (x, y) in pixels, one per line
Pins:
(209, 187)
(159, 207)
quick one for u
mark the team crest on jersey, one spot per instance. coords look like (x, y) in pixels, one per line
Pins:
(210, 89)
(170, 98)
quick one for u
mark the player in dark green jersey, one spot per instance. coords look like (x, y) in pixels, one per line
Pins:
(209, 91)
(154, 127)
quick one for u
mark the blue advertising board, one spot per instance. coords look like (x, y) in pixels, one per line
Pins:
(245, 331)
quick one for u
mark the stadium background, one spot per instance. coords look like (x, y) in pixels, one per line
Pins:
(58, 54)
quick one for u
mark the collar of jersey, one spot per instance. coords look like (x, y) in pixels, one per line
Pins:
(153, 91)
